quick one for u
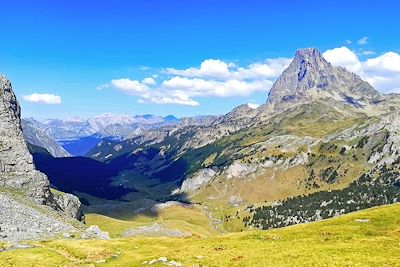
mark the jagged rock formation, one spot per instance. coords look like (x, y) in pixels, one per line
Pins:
(196, 121)
(21, 219)
(310, 77)
(18, 175)
(38, 137)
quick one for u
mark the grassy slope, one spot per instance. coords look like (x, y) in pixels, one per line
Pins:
(340, 241)
(303, 121)
(186, 219)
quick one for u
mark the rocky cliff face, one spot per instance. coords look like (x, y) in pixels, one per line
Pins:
(310, 77)
(17, 171)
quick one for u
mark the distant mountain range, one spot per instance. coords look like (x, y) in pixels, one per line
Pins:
(62, 138)
(81, 146)
(104, 124)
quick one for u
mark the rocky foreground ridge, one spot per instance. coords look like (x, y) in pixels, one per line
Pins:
(28, 208)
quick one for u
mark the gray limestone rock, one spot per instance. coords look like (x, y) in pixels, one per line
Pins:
(17, 171)
(310, 76)
(94, 232)
(22, 219)
(154, 230)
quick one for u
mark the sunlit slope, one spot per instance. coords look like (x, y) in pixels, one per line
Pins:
(188, 220)
(365, 238)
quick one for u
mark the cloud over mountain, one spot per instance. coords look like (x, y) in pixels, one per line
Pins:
(213, 78)
(218, 78)
(382, 72)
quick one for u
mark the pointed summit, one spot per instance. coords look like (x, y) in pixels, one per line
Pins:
(312, 57)
(310, 77)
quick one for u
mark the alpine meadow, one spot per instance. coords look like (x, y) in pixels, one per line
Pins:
(176, 133)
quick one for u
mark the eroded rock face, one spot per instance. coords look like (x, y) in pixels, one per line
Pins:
(70, 205)
(17, 171)
(387, 129)
(196, 181)
(20, 219)
(309, 76)
(238, 170)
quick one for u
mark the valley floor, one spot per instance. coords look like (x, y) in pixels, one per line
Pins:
(365, 238)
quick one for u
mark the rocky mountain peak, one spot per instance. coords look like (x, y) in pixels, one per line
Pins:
(309, 77)
(309, 62)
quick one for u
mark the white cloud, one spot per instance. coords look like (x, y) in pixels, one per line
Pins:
(363, 41)
(348, 42)
(382, 72)
(103, 86)
(182, 90)
(216, 78)
(344, 57)
(253, 106)
(149, 81)
(211, 68)
(128, 86)
(201, 87)
(271, 68)
(175, 97)
(219, 70)
(385, 84)
(213, 78)
(388, 62)
(149, 94)
(48, 99)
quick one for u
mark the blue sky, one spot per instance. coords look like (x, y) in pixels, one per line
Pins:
(94, 55)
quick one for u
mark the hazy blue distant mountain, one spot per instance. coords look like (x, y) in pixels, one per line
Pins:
(81, 146)
(36, 135)
(105, 124)
(171, 118)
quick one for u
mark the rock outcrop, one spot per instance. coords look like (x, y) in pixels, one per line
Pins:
(94, 232)
(196, 181)
(18, 175)
(154, 230)
(21, 219)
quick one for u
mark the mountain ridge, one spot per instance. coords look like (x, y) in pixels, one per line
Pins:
(38, 137)
(106, 124)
